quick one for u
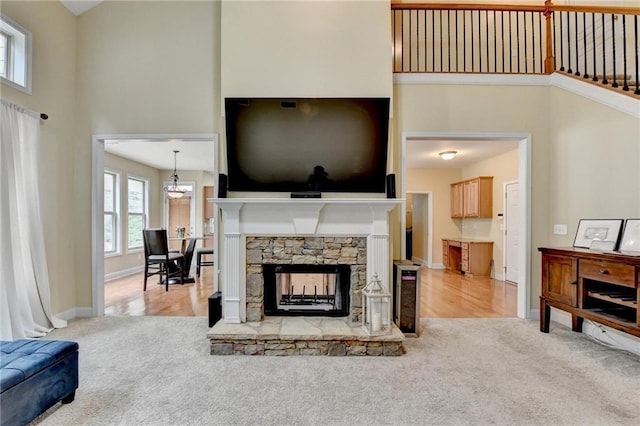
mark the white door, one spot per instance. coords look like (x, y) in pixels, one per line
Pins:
(511, 232)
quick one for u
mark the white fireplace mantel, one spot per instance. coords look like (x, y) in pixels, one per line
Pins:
(322, 217)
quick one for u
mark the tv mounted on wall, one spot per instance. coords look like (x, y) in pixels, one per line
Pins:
(307, 144)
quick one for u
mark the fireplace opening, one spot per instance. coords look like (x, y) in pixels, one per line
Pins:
(299, 290)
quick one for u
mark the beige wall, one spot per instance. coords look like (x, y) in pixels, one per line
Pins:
(131, 168)
(143, 67)
(593, 163)
(54, 92)
(487, 109)
(437, 182)
(503, 168)
(306, 48)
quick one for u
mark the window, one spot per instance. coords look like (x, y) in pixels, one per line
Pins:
(111, 211)
(15, 55)
(136, 211)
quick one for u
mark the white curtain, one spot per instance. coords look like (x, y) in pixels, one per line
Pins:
(25, 302)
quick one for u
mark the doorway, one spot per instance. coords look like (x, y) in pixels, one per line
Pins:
(419, 227)
(523, 144)
(511, 234)
(97, 201)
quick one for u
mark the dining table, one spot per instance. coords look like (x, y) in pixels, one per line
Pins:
(187, 251)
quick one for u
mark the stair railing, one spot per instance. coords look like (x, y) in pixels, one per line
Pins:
(598, 44)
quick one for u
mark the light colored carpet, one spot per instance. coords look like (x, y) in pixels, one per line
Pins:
(158, 371)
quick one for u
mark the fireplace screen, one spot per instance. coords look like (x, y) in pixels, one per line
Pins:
(306, 289)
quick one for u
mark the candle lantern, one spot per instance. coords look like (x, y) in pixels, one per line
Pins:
(375, 302)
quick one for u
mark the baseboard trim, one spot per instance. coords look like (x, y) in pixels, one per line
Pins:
(74, 313)
(124, 273)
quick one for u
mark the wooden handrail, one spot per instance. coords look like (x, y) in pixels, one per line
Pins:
(614, 10)
(466, 6)
(547, 10)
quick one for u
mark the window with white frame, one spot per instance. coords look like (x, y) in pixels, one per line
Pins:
(15, 55)
(111, 212)
(137, 194)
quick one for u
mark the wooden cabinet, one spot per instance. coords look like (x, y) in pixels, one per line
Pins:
(457, 200)
(471, 257)
(601, 287)
(472, 198)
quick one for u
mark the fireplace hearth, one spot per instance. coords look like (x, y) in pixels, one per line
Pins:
(306, 290)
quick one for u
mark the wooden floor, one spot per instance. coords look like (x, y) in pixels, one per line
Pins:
(125, 296)
(444, 294)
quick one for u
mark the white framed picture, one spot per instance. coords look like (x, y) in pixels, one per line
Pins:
(631, 236)
(600, 230)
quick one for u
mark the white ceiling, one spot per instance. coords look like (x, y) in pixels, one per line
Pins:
(422, 153)
(78, 7)
(193, 155)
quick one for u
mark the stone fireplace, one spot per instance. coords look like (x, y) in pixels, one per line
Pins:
(298, 231)
(328, 258)
(319, 253)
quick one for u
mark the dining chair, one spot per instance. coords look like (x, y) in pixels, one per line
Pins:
(159, 260)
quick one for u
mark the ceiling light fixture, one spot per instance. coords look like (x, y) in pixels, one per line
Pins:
(448, 155)
(174, 190)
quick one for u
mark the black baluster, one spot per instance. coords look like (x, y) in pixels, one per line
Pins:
(593, 42)
(457, 66)
(526, 56)
(495, 45)
(561, 44)
(449, 32)
(502, 31)
(584, 39)
(441, 42)
(518, 39)
(402, 38)
(569, 43)
(635, 32)
(433, 39)
(575, 21)
(480, 41)
(542, 51)
(613, 40)
(464, 40)
(410, 39)
(625, 86)
(486, 20)
(472, 38)
(425, 40)
(510, 45)
(604, 54)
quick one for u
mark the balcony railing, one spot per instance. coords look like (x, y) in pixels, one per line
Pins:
(598, 44)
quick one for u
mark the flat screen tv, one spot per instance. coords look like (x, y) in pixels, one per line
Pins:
(307, 144)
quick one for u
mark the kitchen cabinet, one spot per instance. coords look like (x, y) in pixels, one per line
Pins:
(472, 198)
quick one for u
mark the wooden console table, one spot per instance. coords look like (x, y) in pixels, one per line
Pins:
(601, 287)
(468, 256)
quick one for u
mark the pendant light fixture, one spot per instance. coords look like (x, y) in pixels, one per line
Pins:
(173, 190)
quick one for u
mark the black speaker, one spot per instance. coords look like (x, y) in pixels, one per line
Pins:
(391, 186)
(215, 308)
(222, 186)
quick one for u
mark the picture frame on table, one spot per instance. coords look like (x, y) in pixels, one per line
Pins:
(604, 232)
(630, 240)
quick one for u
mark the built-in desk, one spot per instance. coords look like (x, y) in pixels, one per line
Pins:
(468, 256)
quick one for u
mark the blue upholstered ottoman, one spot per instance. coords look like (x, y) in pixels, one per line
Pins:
(34, 376)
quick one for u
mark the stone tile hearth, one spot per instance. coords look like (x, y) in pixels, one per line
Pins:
(282, 336)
